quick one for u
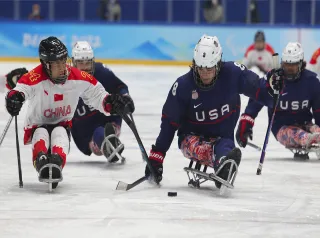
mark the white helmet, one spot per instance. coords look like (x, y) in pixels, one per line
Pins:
(208, 52)
(292, 54)
(82, 51)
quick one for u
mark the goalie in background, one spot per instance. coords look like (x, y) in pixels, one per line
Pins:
(293, 126)
(259, 54)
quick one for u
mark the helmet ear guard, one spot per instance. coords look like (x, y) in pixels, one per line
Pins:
(207, 54)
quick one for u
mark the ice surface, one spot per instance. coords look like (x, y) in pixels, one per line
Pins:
(283, 202)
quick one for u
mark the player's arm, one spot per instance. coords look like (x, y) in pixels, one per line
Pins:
(315, 102)
(246, 123)
(24, 90)
(256, 88)
(173, 112)
(96, 96)
(111, 82)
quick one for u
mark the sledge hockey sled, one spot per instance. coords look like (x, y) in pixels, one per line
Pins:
(54, 171)
(114, 156)
(302, 153)
(197, 177)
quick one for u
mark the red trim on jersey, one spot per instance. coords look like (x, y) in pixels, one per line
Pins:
(257, 93)
(86, 116)
(76, 74)
(250, 48)
(315, 56)
(269, 49)
(34, 76)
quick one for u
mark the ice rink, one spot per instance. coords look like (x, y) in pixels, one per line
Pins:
(283, 202)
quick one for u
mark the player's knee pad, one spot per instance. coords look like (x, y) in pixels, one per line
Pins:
(40, 142)
(293, 136)
(223, 147)
(195, 148)
(60, 143)
(96, 142)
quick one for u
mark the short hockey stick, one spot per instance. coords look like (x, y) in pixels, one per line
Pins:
(5, 130)
(254, 146)
(276, 65)
(18, 153)
(122, 185)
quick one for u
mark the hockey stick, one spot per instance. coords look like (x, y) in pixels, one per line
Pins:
(18, 154)
(254, 146)
(5, 130)
(122, 185)
(276, 65)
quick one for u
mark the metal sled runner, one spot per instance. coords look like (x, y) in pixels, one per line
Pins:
(53, 182)
(302, 153)
(199, 177)
(115, 151)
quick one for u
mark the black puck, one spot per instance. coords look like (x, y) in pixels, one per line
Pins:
(172, 194)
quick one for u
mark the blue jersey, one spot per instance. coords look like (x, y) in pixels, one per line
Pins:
(87, 119)
(295, 103)
(209, 113)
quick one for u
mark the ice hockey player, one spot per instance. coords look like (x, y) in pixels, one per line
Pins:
(259, 54)
(202, 106)
(314, 64)
(92, 130)
(53, 89)
(292, 125)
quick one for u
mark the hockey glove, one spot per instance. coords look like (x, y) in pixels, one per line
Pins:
(116, 103)
(14, 102)
(275, 80)
(155, 160)
(244, 130)
(14, 76)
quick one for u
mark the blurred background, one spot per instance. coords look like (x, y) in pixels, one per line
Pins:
(156, 31)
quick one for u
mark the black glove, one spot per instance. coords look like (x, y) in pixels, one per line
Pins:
(14, 102)
(275, 79)
(156, 161)
(116, 103)
(244, 130)
(14, 76)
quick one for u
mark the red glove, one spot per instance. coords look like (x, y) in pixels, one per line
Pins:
(244, 131)
(156, 162)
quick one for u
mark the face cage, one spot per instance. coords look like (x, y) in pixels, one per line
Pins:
(293, 77)
(74, 63)
(198, 80)
(60, 79)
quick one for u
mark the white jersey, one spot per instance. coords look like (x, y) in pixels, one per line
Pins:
(261, 59)
(51, 104)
